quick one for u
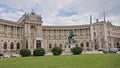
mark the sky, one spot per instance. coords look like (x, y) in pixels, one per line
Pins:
(62, 12)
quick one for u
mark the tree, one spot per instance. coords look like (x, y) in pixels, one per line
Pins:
(39, 52)
(57, 50)
(76, 50)
(25, 52)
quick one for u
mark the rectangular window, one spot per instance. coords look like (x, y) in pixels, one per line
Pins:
(94, 34)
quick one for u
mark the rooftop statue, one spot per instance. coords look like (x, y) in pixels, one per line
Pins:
(33, 13)
(39, 17)
(71, 37)
(26, 16)
(32, 16)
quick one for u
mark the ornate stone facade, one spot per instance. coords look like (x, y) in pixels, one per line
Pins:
(28, 32)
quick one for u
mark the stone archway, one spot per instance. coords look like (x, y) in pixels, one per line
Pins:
(87, 44)
(50, 46)
(38, 44)
(96, 47)
(117, 43)
(12, 45)
(18, 45)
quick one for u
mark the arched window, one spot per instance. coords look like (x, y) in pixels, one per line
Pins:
(12, 45)
(117, 43)
(68, 46)
(38, 44)
(5, 45)
(18, 45)
(87, 44)
(50, 45)
(82, 45)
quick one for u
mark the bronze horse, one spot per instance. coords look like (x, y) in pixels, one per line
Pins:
(71, 37)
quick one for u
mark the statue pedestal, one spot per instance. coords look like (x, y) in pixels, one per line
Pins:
(68, 47)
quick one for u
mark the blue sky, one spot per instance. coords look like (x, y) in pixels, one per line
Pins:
(66, 13)
(62, 12)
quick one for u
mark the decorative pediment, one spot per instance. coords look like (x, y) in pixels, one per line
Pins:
(32, 16)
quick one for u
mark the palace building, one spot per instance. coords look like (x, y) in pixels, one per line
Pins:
(28, 32)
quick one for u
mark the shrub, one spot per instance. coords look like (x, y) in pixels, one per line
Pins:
(25, 52)
(39, 52)
(57, 50)
(76, 50)
(118, 46)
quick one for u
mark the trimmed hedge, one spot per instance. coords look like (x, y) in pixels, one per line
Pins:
(57, 50)
(118, 46)
(25, 52)
(76, 50)
(39, 52)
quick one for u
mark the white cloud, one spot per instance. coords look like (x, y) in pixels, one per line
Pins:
(11, 16)
(77, 19)
(2, 9)
(115, 20)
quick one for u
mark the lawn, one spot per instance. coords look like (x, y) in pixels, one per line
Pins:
(68, 61)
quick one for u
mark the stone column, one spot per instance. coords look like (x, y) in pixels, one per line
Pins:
(13, 31)
(2, 30)
(7, 31)
(29, 29)
(34, 47)
(85, 48)
(8, 46)
(38, 29)
(16, 31)
(21, 32)
(15, 46)
(1, 47)
(29, 36)
(26, 28)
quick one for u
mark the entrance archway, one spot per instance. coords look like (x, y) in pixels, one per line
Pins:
(12, 45)
(38, 44)
(96, 47)
(118, 44)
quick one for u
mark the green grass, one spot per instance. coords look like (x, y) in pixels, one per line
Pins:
(69, 61)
